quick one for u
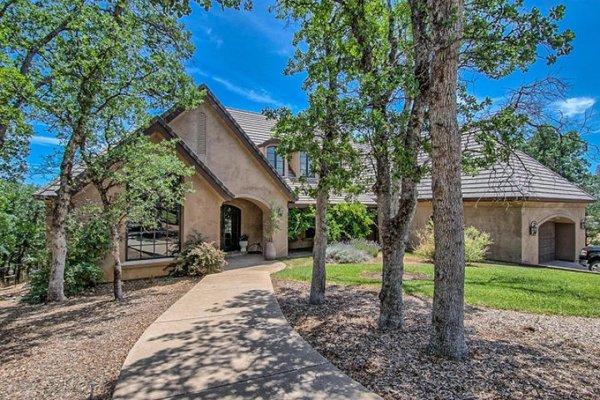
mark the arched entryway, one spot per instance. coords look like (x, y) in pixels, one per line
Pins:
(557, 240)
(231, 227)
(242, 217)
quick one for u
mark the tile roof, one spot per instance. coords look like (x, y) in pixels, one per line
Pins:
(521, 178)
(256, 125)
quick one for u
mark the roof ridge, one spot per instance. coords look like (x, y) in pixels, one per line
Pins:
(244, 111)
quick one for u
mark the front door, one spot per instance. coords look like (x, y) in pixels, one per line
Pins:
(231, 218)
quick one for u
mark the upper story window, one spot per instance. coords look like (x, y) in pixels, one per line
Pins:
(305, 166)
(159, 242)
(275, 160)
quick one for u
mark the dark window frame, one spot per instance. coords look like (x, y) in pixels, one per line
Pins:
(305, 166)
(170, 254)
(277, 160)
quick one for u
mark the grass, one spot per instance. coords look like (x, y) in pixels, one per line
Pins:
(509, 287)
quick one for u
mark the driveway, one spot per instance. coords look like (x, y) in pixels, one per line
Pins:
(227, 339)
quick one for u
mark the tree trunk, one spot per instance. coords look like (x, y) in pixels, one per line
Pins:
(58, 245)
(447, 334)
(391, 314)
(317, 285)
(60, 211)
(115, 237)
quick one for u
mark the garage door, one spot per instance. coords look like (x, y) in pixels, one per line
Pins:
(547, 242)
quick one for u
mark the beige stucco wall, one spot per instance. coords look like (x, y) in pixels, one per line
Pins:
(200, 212)
(500, 219)
(508, 225)
(236, 167)
(542, 212)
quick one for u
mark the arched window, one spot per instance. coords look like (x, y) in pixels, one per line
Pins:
(275, 160)
(305, 166)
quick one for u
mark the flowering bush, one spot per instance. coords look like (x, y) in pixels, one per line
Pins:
(477, 244)
(199, 259)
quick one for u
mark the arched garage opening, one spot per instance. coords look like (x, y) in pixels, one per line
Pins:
(557, 240)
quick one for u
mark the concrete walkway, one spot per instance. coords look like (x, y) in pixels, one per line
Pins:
(227, 339)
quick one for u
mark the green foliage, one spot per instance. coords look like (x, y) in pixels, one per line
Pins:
(299, 220)
(120, 58)
(565, 153)
(272, 226)
(88, 238)
(22, 239)
(199, 258)
(347, 221)
(148, 174)
(477, 244)
(87, 243)
(78, 277)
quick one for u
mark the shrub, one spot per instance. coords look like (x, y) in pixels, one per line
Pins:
(345, 253)
(199, 259)
(346, 221)
(425, 245)
(299, 221)
(477, 244)
(368, 247)
(87, 243)
(78, 277)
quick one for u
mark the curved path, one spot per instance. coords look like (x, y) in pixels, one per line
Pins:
(227, 339)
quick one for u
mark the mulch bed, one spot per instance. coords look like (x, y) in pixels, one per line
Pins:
(61, 351)
(513, 355)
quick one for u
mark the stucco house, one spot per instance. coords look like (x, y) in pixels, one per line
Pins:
(532, 214)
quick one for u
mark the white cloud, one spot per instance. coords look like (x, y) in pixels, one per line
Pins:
(261, 96)
(213, 38)
(574, 105)
(45, 140)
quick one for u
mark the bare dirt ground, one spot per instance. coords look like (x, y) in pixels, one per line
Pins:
(61, 351)
(512, 355)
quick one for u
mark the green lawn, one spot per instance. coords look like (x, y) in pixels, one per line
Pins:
(511, 287)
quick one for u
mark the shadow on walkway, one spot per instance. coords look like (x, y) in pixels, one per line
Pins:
(227, 338)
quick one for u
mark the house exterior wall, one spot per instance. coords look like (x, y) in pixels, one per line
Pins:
(236, 167)
(200, 212)
(500, 219)
(508, 225)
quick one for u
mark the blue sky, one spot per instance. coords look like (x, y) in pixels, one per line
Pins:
(241, 55)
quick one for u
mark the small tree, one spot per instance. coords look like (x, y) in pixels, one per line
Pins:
(324, 130)
(132, 179)
(116, 62)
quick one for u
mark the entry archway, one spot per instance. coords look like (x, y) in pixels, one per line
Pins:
(556, 240)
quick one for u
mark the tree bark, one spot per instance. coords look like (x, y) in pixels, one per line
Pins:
(60, 211)
(447, 335)
(115, 237)
(391, 314)
(317, 285)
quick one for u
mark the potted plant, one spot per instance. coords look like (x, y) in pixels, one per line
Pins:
(243, 243)
(272, 226)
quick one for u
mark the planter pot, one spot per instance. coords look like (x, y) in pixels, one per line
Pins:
(270, 253)
(243, 246)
